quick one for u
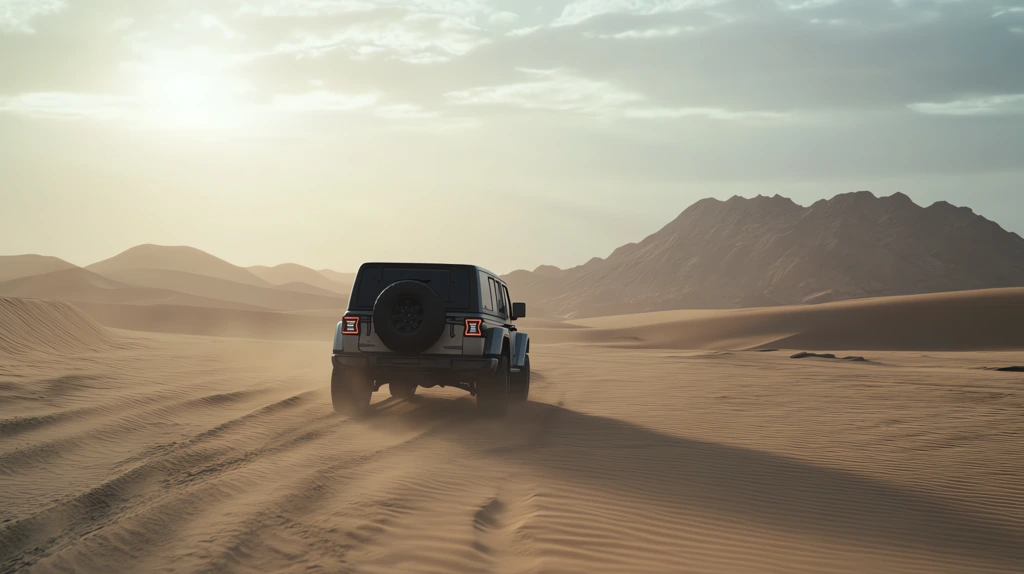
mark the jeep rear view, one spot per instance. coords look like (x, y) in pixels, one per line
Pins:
(412, 325)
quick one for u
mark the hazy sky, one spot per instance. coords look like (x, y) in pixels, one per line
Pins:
(506, 133)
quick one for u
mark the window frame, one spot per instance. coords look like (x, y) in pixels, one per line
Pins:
(501, 307)
(508, 300)
(486, 293)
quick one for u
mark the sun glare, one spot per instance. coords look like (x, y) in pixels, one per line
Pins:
(190, 93)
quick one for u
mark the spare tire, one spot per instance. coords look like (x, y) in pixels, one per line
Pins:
(408, 316)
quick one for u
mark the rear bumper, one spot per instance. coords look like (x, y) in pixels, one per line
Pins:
(399, 363)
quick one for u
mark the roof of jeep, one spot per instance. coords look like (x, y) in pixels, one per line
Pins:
(428, 265)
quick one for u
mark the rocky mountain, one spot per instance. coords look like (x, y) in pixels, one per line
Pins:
(770, 251)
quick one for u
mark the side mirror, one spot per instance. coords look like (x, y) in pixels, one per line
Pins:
(518, 311)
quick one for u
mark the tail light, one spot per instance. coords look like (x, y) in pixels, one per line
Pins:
(474, 328)
(350, 326)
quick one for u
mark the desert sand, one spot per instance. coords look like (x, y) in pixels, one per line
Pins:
(125, 451)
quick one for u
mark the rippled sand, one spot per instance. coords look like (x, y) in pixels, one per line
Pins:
(138, 453)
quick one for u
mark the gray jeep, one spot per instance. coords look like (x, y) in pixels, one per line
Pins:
(427, 325)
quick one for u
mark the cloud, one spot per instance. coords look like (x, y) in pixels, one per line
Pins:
(122, 23)
(708, 113)
(582, 10)
(210, 21)
(130, 112)
(558, 90)
(549, 90)
(58, 105)
(524, 31)
(16, 15)
(405, 112)
(324, 101)
(646, 33)
(255, 117)
(414, 38)
(804, 4)
(320, 8)
(1005, 11)
(1001, 105)
(395, 116)
(303, 8)
(503, 18)
(645, 65)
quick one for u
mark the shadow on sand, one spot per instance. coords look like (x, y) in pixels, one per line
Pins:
(756, 487)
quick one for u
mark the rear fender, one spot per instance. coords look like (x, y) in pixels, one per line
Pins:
(520, 346)
(339, 339)
(494, 338)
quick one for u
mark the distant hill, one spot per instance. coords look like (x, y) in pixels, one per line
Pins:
(287, 273)
(185, 259)
(298, 287)
(79, 285)
(172, 276)
(769, 251)
(346, 279)
(269, 297)
(15, 266)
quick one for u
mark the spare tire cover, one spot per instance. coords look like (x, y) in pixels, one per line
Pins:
(408, 316)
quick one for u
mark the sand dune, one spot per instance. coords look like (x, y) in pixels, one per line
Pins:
(346, 279)
(291, 273)
(15, 266)
(209, 321)
(650, 445)
(175, 258)
(193, 454)
(39, 329)
(222, 289)
(960, 321)
(47, 285)
(300, 287)
(964, 321)
(83, 286)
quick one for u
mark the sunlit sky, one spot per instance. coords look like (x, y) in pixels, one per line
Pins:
(504, 133)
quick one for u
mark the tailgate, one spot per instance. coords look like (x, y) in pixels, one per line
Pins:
(449, 343)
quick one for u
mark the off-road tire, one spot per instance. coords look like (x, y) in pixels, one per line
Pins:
(492, 391)
(409, 317)
(519, 384)
(351, 390)
(402, 390)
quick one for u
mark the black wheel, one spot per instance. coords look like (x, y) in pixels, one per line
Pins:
(408, 316)
(519, 384)
(492, 391)
(350, 391)
(402, 390)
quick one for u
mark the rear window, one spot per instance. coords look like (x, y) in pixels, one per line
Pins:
(450, 284)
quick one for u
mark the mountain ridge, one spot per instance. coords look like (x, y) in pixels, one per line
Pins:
(769, 251)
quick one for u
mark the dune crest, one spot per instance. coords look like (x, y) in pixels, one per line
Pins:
(985, 320)
(175, 258)
(18, 266)
(291, 273)
(30, 328)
